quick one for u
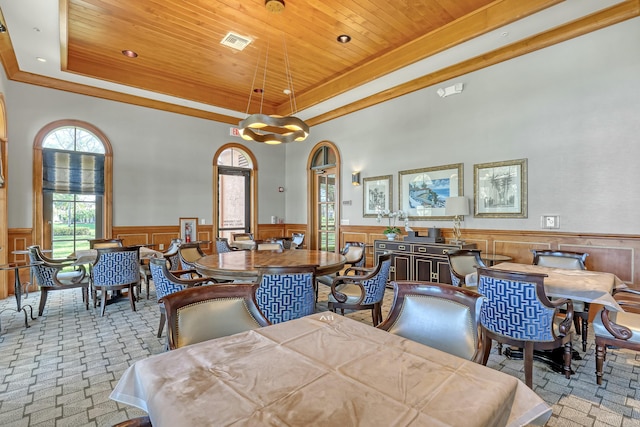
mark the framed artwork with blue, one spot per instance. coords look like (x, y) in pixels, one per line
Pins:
(423, 192)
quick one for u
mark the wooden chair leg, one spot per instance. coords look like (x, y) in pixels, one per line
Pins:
(486, 348)
(163, 320)
(601, 351)
(85, 297)
(528, 364)
(567, 360)
(585, 329)
(104, 302)
(43, 300)
(132, 296)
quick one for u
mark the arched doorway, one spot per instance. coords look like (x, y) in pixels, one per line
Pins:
(235, 192)
(323, 169)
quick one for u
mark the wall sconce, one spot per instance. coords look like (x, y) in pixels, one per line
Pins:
(456, 207)
(355, 178)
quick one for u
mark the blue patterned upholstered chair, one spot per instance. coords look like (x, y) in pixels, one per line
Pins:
(171, 252)
(516, 311)
(168, 282)
(463, 262)
(222, 245)
(286, 293)
(438, 315)
(616, 330)
(362, 292)
(171, 255)
(56, 275)
(208, 312)
(569, 261)
(115, 268)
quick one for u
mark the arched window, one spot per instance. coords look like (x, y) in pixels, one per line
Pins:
(235, 195)
(73, 161)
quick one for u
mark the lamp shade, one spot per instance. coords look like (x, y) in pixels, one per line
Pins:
(455, 206)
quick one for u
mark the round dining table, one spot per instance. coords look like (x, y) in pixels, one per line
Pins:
(244, 265)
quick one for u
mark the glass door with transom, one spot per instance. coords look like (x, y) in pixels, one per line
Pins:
(234, 201)
(325, 202)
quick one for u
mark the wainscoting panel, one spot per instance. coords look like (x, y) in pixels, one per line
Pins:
(617, 254)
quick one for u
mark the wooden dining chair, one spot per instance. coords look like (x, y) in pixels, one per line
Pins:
(516, 311)
(242, 236)
(438, 315)
(189, 253)
(170, 281)
(135, 422)
(354, 254)
(617, 329)
(105, 243)
(269, 246)
(56, 275)
(222, 245)
(297, 239)
(362, 292)
(463, 262)
(208, 312)
(570, 261)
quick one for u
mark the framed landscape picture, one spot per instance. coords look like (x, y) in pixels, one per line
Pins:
(423, 192)
(377, 195)
(500, 189)
(189, 229)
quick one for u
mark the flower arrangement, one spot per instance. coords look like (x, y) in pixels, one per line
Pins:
(392, 217)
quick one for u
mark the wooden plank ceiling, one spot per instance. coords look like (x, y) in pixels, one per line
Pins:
(179, 50)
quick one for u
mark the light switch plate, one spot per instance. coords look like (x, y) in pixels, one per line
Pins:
(550, 221)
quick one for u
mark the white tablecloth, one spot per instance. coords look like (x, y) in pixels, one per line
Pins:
(324, 369)
(88, 256)
(581, 285)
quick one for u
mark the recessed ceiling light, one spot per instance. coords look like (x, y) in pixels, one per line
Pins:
(129, 53)
(40, 59)
(344, 38)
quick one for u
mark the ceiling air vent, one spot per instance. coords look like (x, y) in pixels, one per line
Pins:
(235, 41)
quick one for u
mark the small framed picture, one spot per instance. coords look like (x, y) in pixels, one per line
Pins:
(377, 195)
(189, 229)
(424, 192)
(500, 189)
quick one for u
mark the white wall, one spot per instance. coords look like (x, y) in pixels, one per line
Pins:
(573, 110)
(162, 161)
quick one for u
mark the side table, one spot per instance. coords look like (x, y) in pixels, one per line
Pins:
(18, 291)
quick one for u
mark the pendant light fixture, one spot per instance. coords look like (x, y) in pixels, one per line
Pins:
(273, 129)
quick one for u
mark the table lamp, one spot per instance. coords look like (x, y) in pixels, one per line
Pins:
(456, 207)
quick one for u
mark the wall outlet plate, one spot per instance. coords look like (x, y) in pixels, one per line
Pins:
(550, 221)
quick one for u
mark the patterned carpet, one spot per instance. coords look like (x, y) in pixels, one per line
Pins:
(60, 371)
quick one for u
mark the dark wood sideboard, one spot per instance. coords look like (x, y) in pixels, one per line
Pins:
(412, 260)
